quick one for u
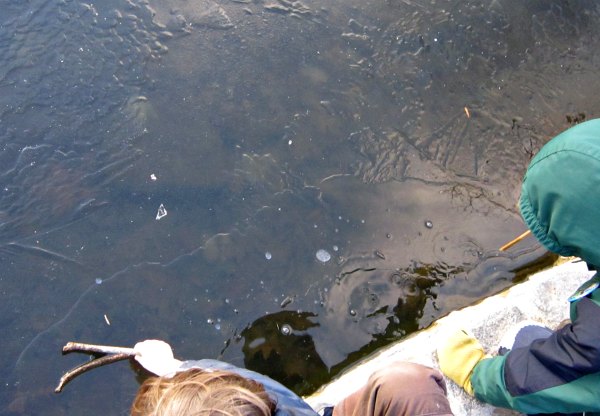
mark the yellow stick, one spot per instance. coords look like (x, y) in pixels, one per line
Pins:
(515, 241)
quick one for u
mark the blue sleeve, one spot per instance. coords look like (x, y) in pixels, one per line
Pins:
(288, 403)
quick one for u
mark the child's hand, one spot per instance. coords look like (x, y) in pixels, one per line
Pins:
(458, 356)
(156, 356)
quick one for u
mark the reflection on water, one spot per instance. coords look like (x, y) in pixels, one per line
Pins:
(336, 175)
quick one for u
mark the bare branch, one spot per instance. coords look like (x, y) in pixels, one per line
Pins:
(114, 354)
(98, 362)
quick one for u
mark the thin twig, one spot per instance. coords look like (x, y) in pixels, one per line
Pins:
(101, 349)
(515, 241)
(98, 362)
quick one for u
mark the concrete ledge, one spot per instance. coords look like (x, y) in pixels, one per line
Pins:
(542, 298)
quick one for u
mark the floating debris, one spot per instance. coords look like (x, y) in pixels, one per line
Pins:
(379, 254)
(153, 177)
(428, 224)
(162, 212)
(286, 301)
(268, 255)
(106, 320)
(98, 281)
(323, 256)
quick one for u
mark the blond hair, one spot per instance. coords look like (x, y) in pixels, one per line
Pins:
(201, 393)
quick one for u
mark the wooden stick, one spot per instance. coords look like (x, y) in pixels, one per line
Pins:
(515, 241)
(99, 349)
(114, 354)
(98, 362)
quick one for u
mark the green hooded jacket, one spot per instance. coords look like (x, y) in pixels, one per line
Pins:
(560, 203)
(560, 196)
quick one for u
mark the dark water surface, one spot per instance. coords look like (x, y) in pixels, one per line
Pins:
(393, 135)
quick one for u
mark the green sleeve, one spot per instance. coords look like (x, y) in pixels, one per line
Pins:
(488, 382)
(577, 396)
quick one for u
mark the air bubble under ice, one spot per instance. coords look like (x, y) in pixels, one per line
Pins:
(323, 256)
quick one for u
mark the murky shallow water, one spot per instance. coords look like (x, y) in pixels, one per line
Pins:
(393, 135)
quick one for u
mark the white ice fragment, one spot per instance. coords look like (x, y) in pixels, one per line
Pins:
(162, 212)
(323, 256)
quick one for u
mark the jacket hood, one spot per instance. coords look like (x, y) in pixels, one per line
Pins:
(560, 195)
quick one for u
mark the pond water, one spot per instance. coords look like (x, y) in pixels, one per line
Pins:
(282, 185)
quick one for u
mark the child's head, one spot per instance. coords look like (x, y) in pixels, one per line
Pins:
(198, 392)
